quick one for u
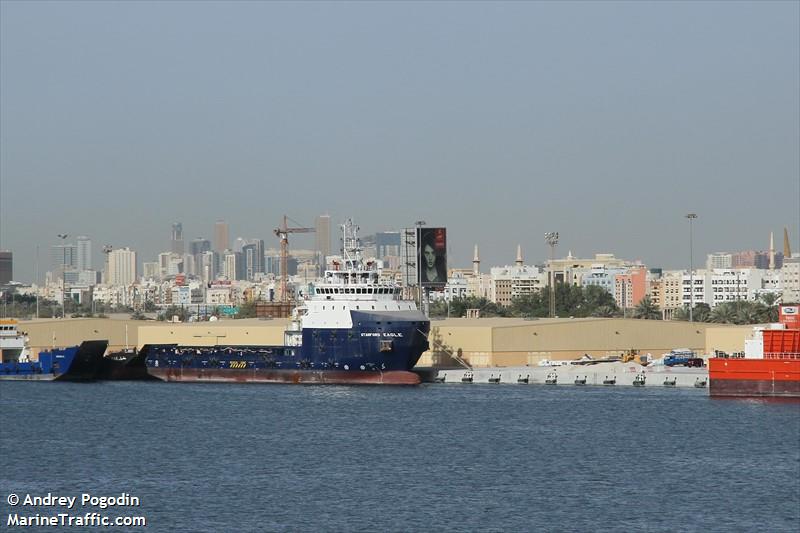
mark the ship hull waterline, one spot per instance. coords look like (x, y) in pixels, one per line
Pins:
(310, 377)
(74, 363)
(754, 378)
(755, 388)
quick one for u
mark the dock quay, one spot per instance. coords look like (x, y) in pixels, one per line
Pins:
(603, 374)
(499, 349)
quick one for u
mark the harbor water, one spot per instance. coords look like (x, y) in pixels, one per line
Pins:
(439, 457)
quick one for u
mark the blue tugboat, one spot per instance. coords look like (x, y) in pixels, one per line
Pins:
(354, 329)
(74, 363)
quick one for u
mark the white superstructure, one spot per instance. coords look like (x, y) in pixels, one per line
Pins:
(352, 285)
(13, 343)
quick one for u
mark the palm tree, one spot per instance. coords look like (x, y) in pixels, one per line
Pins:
(748, 313)
(647, 310)
(681, 313)
(724, 313)
(606, 311)
(769, 300)
(701, 312)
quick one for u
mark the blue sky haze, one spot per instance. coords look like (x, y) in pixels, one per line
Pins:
(605, 121)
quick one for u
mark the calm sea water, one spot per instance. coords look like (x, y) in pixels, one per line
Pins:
(437, 457)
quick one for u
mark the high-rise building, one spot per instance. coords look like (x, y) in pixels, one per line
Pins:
(229, 266)
(189, 265)
(220, 236)
(630, 287)
(6, 266)
(751, 259)
(253, 258)
(176, 243)
(151, 270)
(719, 260)
(790, 280)
(84, 253)
(387, 244)
(121, 267)
(163, 263)
(199, 245)
(511, 282)
(206, 266)
(238, 244)
(64, 257)
(322, 245)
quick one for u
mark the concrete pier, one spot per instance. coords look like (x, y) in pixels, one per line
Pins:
(621, 374)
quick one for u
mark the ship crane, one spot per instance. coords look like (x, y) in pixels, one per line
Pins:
(283, 234)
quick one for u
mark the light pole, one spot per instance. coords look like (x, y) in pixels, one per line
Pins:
(37, 281)
(552, 239)
(691, 217)
(63, 237)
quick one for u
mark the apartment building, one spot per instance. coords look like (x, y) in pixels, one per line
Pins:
(509, 282)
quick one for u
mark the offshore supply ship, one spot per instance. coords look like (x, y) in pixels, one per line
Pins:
(73, 363)
(770, 366)
(352, 329)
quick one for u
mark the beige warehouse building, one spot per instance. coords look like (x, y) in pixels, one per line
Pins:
(481, 342)
(516, 342)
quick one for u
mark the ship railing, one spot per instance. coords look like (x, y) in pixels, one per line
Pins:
(782, 355)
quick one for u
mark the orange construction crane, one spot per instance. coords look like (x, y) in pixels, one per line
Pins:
(283, 234)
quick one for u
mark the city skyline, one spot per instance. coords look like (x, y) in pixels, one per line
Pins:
(607, 123)
(68, 252)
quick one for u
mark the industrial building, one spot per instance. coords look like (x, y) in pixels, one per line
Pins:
(480, 342)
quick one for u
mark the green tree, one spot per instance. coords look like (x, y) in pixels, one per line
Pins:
(596, 297)
(606, 311)
(647, 310)
(750, 313)
(770, 302)
(530, 305)
(570, 300)
(438, 309)
(701, 312)
(724, 313)
(246, 310)
(459, 306)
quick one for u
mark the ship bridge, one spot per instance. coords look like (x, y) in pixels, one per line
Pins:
(353, 285)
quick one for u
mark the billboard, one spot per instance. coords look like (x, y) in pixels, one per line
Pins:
(789, 316)
(432, 257)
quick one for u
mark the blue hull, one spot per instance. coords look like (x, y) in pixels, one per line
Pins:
(378, 348)
(74, 363)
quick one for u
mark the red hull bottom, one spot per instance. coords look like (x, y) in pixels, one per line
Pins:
(754, 377)
(749, 387)
(328, 377)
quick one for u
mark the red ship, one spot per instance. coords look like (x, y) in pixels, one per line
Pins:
(770, 366)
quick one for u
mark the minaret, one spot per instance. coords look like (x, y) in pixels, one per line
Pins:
(787, 249)
(476, 263)
(518, 262)
(771, 251)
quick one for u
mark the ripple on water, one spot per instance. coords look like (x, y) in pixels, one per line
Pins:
(206, 457)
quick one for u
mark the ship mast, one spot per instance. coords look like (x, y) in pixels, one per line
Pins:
(351, 247)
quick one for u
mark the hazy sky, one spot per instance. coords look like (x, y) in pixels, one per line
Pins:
(606, 122)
